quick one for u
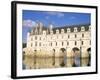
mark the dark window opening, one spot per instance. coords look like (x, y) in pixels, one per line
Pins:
(82, 35)
(35, 37)
(67, 43)
(75, 35)
(62, 43)
(82, 42)
(56, 43)
(75, 43)
(68, 36)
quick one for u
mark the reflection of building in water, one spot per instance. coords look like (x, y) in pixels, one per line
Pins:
(66, 39)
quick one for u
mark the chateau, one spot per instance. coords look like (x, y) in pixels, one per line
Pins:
(60, 39)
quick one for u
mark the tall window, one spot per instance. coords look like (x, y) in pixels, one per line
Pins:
(68, 36)
(56, 43)
(82, 35)
(75, 36)
(82, 42)
(75, 43)
(51, 43)
(67, 43)
(90, 42)
(62, 43)
(35, 37)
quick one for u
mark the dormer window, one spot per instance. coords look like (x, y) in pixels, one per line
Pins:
(62, 30)
(75, 29)
(68, 29)
(44, 32)
(82, 28)
(89, 28)
(51, 32)
(57, 31)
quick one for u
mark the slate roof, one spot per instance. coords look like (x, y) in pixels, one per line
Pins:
(86, 26)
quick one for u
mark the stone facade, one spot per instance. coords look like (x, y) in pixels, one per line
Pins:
(59, 39)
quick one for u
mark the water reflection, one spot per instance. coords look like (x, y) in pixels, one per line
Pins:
(31, 62)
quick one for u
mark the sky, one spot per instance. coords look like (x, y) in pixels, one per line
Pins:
(58, 19)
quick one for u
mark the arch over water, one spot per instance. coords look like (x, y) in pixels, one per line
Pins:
(76, 53)
(62, 49)
(89, 52)
(88, 49)
(53, 50)
(62, 60)
(53, 58)
(35, 50)
(75, 49)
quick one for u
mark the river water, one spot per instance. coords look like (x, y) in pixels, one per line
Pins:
(30, 62)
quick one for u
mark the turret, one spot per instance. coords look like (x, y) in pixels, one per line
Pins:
(40, 28)
(50, 27)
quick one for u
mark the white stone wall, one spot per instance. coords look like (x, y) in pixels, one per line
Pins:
(48, 41)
